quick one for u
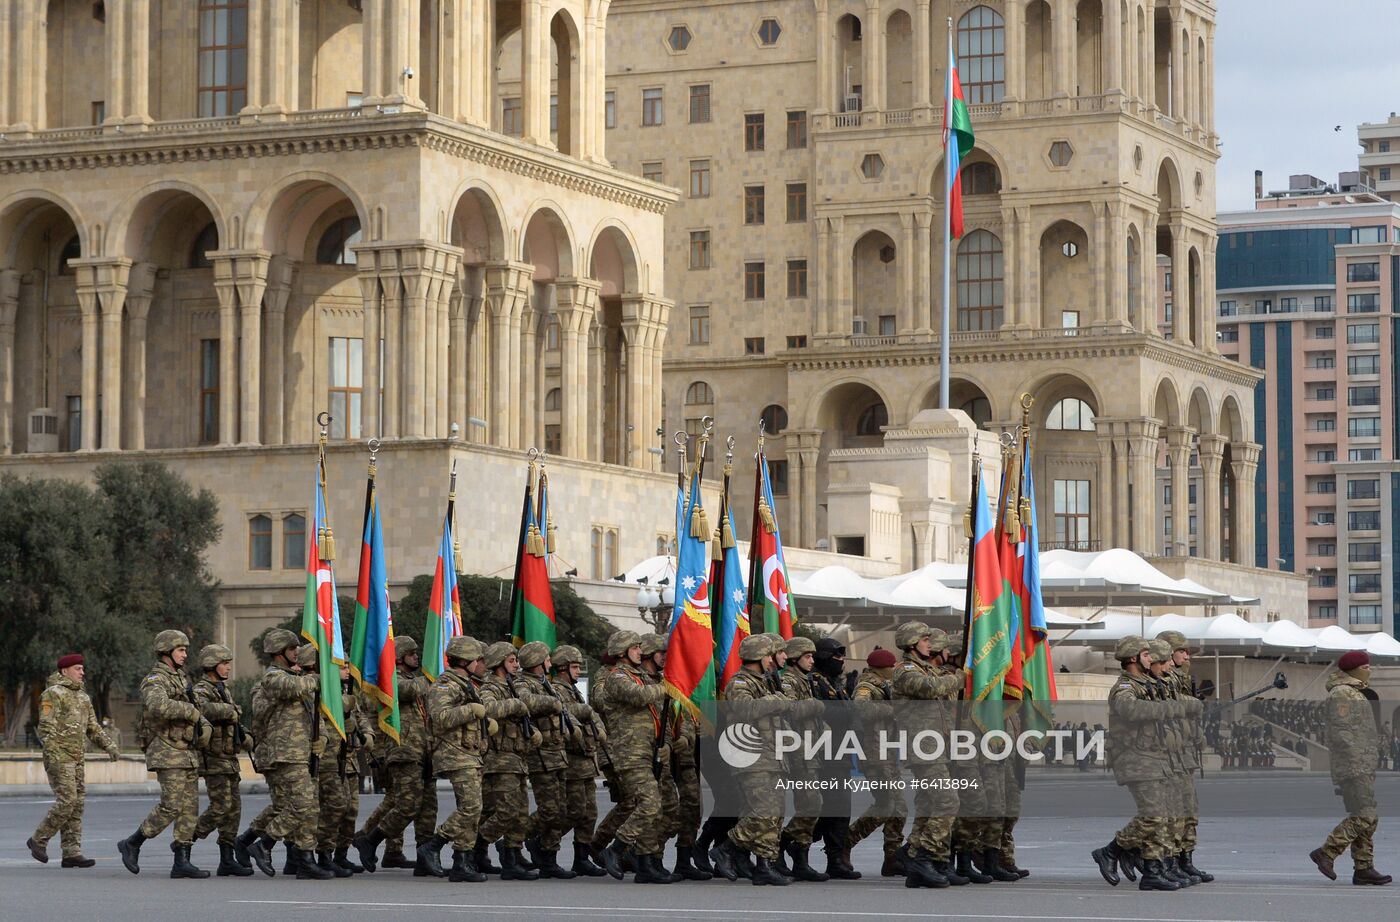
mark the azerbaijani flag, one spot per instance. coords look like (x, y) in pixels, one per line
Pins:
(444, 603)
(957, 141)
(532, 598)
(770, 601)
(989, 621)
(689, 675)
(1038, 672)
(732, 625)
(372, 655)
(320, 618)
(1009, 544)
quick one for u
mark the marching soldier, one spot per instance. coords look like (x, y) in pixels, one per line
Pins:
(66, 722)
(653, 668)
(873, 694)
(461, 731)
(337, 779)
(635, 707)
(683, 740)
(284, 710)
(172, 730)
(830, 683)
(1180, 735)
(220, 769)
(547, 766)
(921, 676)
(505, 769)
(796, 684)
(597, 699)
(1355, 747)
(753, 701)
(580, 777)
(1183, 686)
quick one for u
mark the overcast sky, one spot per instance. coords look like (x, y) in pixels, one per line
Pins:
(1287, 72)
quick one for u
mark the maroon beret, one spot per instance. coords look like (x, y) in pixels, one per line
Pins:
(1353, 660)
(880, 659)
(72, 659)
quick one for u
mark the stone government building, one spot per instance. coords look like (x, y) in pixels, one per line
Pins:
(208, 208)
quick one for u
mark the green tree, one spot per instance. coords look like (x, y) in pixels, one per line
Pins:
(293, 624)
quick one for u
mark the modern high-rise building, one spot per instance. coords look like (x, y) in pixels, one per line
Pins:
(805, 256)
(1307, 289)
(1380, 155)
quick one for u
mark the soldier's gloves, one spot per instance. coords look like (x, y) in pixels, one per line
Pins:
(656, 694)
(582, 712)
(475, 710)
(492, 728)
(548, 706)
(113, 754)
(536, 738)
(806, 710)
(318, 746)
(203, 733)
(189, 713)
(680, 744)
(514, 707)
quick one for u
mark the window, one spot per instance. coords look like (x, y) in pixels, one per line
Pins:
(208, 391)
(1368, 396)
(797, 278)
(753, 131)
(797, 342)
(1363, 332)
(1364, 521)
(1364, 426)
(980, 179)
(1324, 331)
(99, 111)
(1229, 308)
(554, 113)
(1288, 305)
(1363, 364)
(1363, 454)
(1325, 393)
(346, 392)
(512, 116)
(654, 170)
(774, 418)
(74, 406)
(885, 324)
(335, 246)
(699, 103)
(679, 39)
(1363, 304)
(980, 284)
(1325, 424)
(982, 55)
(768, 31)
(699, 179)
(1325, 455)
(260, 542)
(293, 541)
(1326, 611)
(1363, 489)
(872, 166)
(354, 100)
(1071, 414)
(753, 345)
(1322, 304)
(796, 202)
(753, 204)
(610, 109)
(73, 249)
(700, 325)
(1325, 361)
(551, 336)
(1326, 549)
(1364, 272)
(1365, 614)
(1367, 235)
(553, 438)
(223, 57)
(754, 288)
(1385, 174)
(1384, 147)
(1229, 336)
(604, 552)
(694, 428)
(797, 129)
(872, 420)
(651, 107)
(1327, 580)
(1072, 514)
(1191, 495)
(778, 477)
(1325, 486)
(699, 249)
(1261, 306)
(1061, 153)
(1364, 551)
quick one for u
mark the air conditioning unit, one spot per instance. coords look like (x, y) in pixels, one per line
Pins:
(852, 103)
(43, 431)
(857, 326)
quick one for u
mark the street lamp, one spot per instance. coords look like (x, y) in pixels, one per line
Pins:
(655, 606)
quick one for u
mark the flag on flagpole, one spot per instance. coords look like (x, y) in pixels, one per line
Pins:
(771, 604)
(957, 141)
(1009, 538)
(730, 599)
(1038, 670)
(531, 597)
(444, 603)
(689, 674)
(320, 618)
(372, 654)
(989, 618)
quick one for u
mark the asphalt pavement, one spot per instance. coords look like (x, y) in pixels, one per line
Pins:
(1260, 862)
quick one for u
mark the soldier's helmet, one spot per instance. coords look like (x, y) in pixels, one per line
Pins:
(566, 655)
(798, 646)
(1161, 650)
(1129, 647)
(307, 656)
(168, 640)
(534, 654)
(620, 641)
(277, 640)
(910, 633)
(404, 646)
(755, 647)
(464, 648)
(653, 643)
(938, 640)
(496, 654)
(1176, 639)
(955, 643)
(214, 654)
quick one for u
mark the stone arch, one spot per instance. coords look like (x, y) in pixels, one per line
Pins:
(23, 211)
(137, 219)
(1168, 186)
(826, 411)
(1089, 41)
(1053, 385)
(1039, 55)
(1199, 414)
(1066, 274)
(285, 210)
(1166, 403)
(898, 49)
(875, 276)
(612, 259)
(848, 55)
(966, 392)
(547, 241)
(1133, 260)
(566, 60)
(931, 173)
(477, 223)
(1231, 424)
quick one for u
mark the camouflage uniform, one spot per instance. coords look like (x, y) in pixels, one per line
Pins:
(338, 773)
(581, 775)
(220, 769)
(1355, 748)
(874, 691)
(548, 762)
(66, 722)
(506, 813)
(461, 731)
(1139, 754)
(634, 707)
(751, 700)
(284, 705)
(685, 774)
(622, 807)
(410, 797)
(935, 804)
(805, 717)
(172, 721)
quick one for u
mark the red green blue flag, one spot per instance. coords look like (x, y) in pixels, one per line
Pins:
(957, 141)
(1038, 672)
(532, 598)
(689, 675)
(771, 604)
(989, 619)
(372, 655)
(320, 619)
(444, 602)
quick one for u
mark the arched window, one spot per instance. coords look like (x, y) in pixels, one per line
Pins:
(551, 336)
(982, 55)
(979, 409)
(872, 419)
(980, 283)
(293, 541)
(334, 248)
(260, 542)
(699, 394)
(980, 178)
(553, 401)
(1071, 415)
(207, 240)
(73, 249)
(775, 419)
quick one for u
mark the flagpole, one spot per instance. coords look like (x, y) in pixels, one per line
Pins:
(948, 181)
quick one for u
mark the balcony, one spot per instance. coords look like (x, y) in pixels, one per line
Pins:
(989, 112)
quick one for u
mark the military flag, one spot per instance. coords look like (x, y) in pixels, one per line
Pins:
(771, 604)
(1009, 538)
(444, 602)
(372, 654)
(988, 639)
(689, 675)
(730, 594)
(1038, 672)
(958, 142)
(531, 597)
(320, 618)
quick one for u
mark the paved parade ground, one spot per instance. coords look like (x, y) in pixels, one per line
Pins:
(1261, 864)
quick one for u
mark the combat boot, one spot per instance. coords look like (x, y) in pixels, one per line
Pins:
(893, 865)
(397, 859)
(307, 868)
(612, 859)
(651, 871)
(1369, 876)
(76, 861)
(781, 865)
(181, 868)
(725, 856)
(228, 864)
(430, 858)
(1129, 862)
(700, 856)
(130, 849)
(583, 862)
(513, 866)
(1107, 859)
(289, 867)
(920, 871)
(325, 862)
(969, 870)
(991, 863)
(685, 865)
(260, 850)
(463, 870)
(240, 847)
(1188, 864)
(366, 844)
(838, 865)
(40, 853)
(1175, 872)
(481, 858)
(1324, 863)
(1154, 877)
(342, 859)
(550, 867)
(745, 865)
(945, 867)
(766, 874)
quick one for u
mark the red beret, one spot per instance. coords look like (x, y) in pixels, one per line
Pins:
(72, 659)
(880, 659)
(1353, 660)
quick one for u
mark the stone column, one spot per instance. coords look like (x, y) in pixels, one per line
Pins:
(371, 298)
(821, 297)
(1144, 445)
(1208, 116)
(873, 37)
(1063, 50)
(117, 62)
(138, 46)
(1244, 464)
(634, 333)
(8, 74)
(416, 277)
(372, 39)
(1026, 280)
(597, 342)
(446, 278)
(458, 350)
(923, 272)
(907, 316)
(281, 58)
(226, 288)
(88, 304)
(1181, 284)
(842, 303)
(279, 289)
(1103, 518)
(533, 96)
(391, 290)
(529, 385)
(1103, 289)
(101, 288)
(31, 75)
(1117, 281)
(1178, 87)
(923, 55)
(1212, 452)
(1122, 534)
(1015, 37)
(9, 308)
(826, 81)
(507, 286)
(1191, 111)
(1113, 47)
(1179, 460)
(140, 289)
(257, 40)
(1147, 58)
(252, 282)
(1147, 278)
(804, 447)
(1208, 310)
(576, 302)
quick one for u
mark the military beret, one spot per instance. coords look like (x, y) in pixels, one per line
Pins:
(1129, 647)
(1176, 639)
(71, 659)
(534, 654)
(1353, 659)
(880, 659)
(654, 643)
(799, 646)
